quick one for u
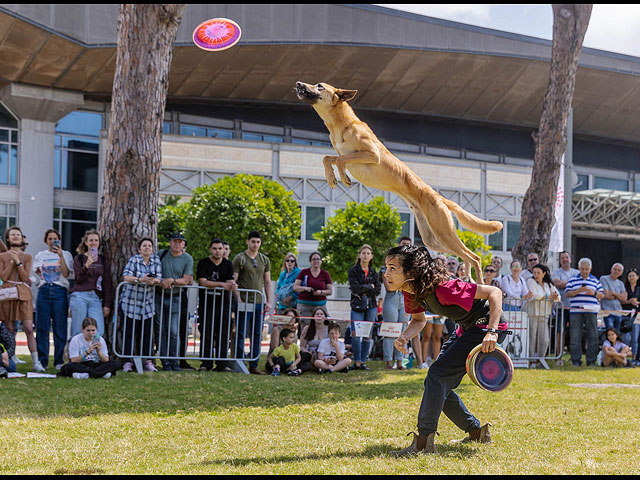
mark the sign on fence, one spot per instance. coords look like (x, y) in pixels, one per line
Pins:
(390, 329)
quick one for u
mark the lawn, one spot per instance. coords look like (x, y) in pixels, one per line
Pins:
(227, 423)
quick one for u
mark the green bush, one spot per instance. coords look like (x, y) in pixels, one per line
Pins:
(375, 223)
(233, 206)
(171, 219)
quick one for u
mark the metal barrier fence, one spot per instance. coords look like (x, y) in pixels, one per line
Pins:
(538, 327)
(187, 323)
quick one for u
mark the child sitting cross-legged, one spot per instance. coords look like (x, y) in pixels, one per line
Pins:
(286, 357)
(331, 353)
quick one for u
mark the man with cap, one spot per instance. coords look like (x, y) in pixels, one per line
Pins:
(171, 318)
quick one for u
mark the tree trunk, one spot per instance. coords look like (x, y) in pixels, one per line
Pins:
(569, 27)
(128, 210)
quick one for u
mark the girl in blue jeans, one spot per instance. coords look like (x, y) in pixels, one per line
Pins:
(364, 284)
(91, 292)
(427, 286)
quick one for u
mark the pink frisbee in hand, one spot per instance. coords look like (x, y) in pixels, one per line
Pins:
(217, 34)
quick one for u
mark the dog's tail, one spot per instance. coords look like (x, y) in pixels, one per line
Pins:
(471, 222)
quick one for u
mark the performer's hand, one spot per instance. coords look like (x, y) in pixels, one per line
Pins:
(489, 342)
(400, 343)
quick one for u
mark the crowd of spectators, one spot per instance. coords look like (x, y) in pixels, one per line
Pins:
(153, 319)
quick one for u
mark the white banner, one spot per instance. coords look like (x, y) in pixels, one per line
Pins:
(556, 242)
(390, 329)
(363, 329)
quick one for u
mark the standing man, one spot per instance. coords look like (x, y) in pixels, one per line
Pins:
(614, 293)
(585, 292)
(252, 271)
(215, 272)
(177, 270)
(532, 261)
(497, 264)
(560, 277)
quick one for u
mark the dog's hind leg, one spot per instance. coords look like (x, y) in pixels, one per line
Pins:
(444, 239)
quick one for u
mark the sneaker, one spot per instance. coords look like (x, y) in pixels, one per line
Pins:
(16, 360)
(421, 366)
(483, 435)
(255, 371)
(59, 366)
(149, 366)
(166, 366)
(204, 368)
(429, 362)
(412, 450)
(363, 367)
(276, 372)
(37, 366)
(294, 373)
(107, 375)
(80, 375)
(175, 367)
(128, 366)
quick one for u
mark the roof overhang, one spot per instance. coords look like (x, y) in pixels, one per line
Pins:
(607, 211)
(433, 68)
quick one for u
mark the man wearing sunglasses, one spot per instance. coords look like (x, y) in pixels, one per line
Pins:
(252, 271)
(532, 261)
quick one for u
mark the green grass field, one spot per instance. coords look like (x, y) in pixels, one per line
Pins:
(226, 423)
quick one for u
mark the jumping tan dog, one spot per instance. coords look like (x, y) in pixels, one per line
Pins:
(369, 161)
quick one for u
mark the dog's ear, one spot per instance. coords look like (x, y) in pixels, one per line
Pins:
(346, 95)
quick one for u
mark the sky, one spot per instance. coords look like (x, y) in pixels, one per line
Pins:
(613, 28)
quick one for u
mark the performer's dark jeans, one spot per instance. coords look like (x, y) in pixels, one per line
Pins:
(443, 378)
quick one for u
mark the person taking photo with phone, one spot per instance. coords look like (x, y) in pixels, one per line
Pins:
(91, 294)
(53, 268)
(88, 354)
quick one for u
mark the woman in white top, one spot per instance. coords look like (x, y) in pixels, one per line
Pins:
(515, 288)
(543, 295)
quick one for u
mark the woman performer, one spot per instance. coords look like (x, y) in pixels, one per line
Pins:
(427, 286)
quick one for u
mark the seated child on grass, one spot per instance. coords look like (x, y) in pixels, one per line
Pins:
(286, 357)
(613, 350)
(331, 353)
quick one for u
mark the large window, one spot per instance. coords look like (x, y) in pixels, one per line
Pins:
(314, 221)
(513, 234)
(8, 148)
(76, 153)
(72, 223)
(8, 216)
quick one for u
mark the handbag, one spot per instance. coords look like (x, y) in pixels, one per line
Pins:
(11, 293)
(8, 294)
(627, 323)
(359, 303)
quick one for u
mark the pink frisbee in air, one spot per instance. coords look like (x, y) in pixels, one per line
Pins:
(217, 34)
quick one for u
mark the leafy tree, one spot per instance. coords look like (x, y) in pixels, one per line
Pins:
(233, 206)
(475, 243)
(172, 218)
(375, 223)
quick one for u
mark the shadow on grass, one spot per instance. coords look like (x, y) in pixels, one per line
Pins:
(372, 451)
(169, 393)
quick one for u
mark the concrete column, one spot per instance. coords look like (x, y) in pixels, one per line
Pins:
(38, 110)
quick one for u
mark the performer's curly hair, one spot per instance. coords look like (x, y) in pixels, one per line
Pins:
(424, 273)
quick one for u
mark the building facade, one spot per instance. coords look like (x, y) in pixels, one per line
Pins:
(456, 103)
